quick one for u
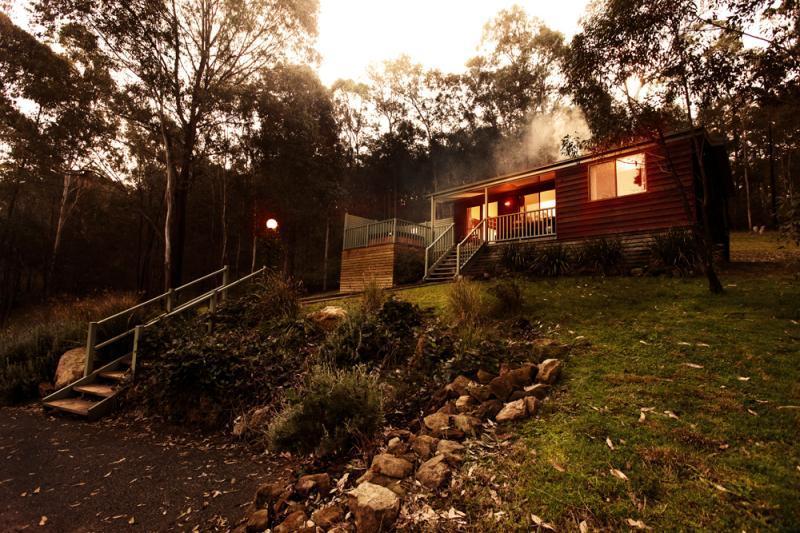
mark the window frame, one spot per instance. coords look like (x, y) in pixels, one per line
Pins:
(616, 182)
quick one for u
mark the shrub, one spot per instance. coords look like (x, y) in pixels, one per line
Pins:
(380, 339)
(409, 268)
(33, 342)
(335, 411)
(675, 250)
(601, 256)
(790, 219)
(537, 260)
(465, 302)
(507, 298)
(278, 298)
(373, 297)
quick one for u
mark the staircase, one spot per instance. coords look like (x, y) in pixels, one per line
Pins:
(93, 395)
(445, 268)
(100, 390)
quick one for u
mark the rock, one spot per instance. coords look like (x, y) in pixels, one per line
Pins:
(512, 411)
(328, 317)
(549, 371)
(548, 348)
(531, 405)
(320, 482)
(437, 422)
(448, 408)
(295, 521)
(470, 425)
(328, 516)
(268, 493)
(433, 472)
(424, 445)
(452, 450)
(70, 367)
(539, 390)
(481, 393)
(397, 446)
(501, 387)
(488, 409)
(485, 377)
(522, 376)
(391, 466)
(375, 508)
(376, 478)
(460, 386)
(465, 403)
(258, 521)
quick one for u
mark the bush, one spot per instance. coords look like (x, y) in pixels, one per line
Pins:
(278, 298)
(675, 250)
(601, 256)
(507, 298)
(373, 297)
(33, 342)
(790, 219)
(465, 302)
(335, 411)
(408, 268)
(538, 260)
(379, 339)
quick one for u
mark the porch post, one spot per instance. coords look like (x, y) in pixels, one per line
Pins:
(433, 218)
(485, 231)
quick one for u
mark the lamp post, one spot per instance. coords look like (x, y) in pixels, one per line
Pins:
(271, 226)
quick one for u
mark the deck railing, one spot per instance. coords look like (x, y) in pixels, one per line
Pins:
(522, 225)
(469, 245)
(439, 247)
(393, 230)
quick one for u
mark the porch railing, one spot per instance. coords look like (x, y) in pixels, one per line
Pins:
(393, 230)
(439, 247)
(522, 225)
(469, 245)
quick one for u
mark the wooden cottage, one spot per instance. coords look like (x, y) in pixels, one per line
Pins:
(630, 193)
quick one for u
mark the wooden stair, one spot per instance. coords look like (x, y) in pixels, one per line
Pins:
(445, 268)
(94, 395)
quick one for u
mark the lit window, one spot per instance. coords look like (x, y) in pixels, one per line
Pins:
(540, 200)
(620, 177)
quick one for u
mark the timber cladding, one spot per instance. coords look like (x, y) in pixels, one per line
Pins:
(378, 263)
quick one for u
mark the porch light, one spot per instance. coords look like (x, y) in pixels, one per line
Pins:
(272, 224)
(507, 203)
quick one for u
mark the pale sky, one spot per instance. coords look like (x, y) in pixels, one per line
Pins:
(440, 34)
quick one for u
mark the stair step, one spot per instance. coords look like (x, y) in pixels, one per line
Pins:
(77, 406)
(114, 375)
(96, 389)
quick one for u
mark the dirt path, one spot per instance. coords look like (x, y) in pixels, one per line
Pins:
(118, 475)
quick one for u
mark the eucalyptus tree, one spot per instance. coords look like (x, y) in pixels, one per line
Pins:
(178, 61)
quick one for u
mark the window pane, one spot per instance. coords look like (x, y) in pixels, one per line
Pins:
(601, 181)
(492, 209)
(532, 202)
(630, 175)
(547, 199)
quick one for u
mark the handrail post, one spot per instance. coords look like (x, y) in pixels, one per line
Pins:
(137, 335)
(91, 340)
(212, 302)
(458, 258)
(224, 282)
(426, 263)
(170, 300)
(394, 229)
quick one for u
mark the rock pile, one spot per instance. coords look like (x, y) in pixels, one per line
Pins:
(424, 461)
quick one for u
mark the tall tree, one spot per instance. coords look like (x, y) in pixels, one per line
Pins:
(179, 61)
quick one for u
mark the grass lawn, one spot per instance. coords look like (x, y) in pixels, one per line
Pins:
(699, 395)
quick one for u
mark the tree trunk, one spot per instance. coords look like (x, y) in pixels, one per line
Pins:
(63, 213)
(325, 255)
(772, 184)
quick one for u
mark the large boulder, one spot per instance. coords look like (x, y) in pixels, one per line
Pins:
(375, 508)
(433, 472)
(328, 317)
(549, 371)
(501, 387)
(70, 367)
(391, 466)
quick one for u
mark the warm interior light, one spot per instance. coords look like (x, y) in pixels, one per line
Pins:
(507, 203)
(272, 224)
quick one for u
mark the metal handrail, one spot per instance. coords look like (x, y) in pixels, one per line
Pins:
(469, 245)
(439, 248)
(522, 225)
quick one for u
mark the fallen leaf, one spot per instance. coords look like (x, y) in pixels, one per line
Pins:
(609, 443)
(132, 521)
(43, 521)
(719, 487)
(583, 527)
(641, 416)
(788, 407)
(671, 415)
(619, 474)
(692, 365)
(638, 524)
(541, 523)
(645, 343)
(742, 378)
(682, 343)
(752, 412)
(703, 345)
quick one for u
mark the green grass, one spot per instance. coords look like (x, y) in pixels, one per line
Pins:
(730, 460)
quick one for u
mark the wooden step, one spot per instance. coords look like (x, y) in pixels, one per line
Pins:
(114, 375)
(96, 389)
(76, 406)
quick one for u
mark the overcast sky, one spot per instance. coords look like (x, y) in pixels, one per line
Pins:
(440, 34)
(436, 33)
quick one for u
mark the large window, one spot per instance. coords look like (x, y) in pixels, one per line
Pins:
(618, 177)
(539, 200)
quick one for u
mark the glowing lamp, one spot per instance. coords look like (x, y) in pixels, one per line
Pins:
(507, 203)
(272, 224)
